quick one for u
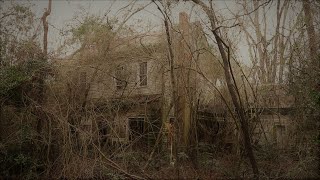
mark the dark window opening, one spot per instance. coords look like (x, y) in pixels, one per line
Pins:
(143, 79)
(208, 129)
(136, 128)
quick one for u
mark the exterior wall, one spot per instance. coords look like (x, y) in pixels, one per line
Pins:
(101, 75)
(105, 85)
(272, 129)
(191, 86)
(275, 124)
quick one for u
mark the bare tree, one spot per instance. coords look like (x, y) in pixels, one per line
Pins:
(42, 73)
(265, 42)
(173, 103)
(46, 28)
(236, 99)
(311, 32)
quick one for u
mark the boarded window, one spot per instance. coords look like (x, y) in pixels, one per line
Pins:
(120, 78)
(143, 79)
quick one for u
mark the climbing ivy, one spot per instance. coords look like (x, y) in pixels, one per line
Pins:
(15, 78)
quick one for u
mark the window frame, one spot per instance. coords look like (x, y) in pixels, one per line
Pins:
(119, 82)
(143, 74)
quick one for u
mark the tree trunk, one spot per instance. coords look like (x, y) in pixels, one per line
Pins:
(46, 28)
(232, 88)
(42, 73)
(1, 107)
(174, 126)
(174, 93)
(311, 32)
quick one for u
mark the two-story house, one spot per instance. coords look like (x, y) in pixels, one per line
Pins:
(129, 83)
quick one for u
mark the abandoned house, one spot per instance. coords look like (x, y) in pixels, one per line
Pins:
(273, 126)
(130, 84)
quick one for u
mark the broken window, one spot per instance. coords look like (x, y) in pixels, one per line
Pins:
(143, 79)
(121, 83)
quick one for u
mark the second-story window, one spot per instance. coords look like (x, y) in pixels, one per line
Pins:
(120, 78)
(143, 78)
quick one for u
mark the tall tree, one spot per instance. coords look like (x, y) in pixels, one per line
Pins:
(231, 84)
(46, 28)
(42, 73)
(173, 103)
(311, 32)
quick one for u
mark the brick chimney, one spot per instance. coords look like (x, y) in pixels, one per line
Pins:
(184, 22)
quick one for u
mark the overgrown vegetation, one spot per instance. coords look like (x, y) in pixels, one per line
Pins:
(177, 103)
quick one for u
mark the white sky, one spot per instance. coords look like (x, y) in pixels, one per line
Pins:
(63, 12)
